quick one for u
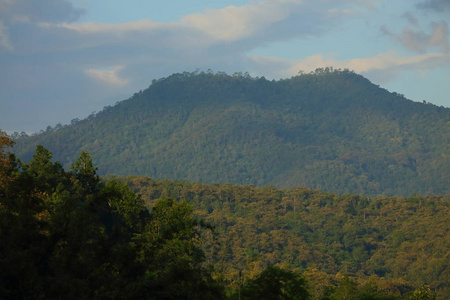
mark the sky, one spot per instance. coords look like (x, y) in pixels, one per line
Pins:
(65, 59)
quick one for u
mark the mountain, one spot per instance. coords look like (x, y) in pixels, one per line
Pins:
(329, 129)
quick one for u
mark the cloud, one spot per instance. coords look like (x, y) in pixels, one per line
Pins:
(5, 42)
(230, 29)
(381, 67)
(436, 5)
(46, 56)
(274, 20)
(53, 11)
(17, 15)
(215, 35)
(109, 76)
(233, 23)
(420, 41)
(411, 19)
(102, 28)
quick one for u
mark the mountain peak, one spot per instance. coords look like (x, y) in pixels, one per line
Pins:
(328, 129)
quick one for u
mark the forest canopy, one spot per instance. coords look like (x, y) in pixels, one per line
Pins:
(75, 235)
(390, 243)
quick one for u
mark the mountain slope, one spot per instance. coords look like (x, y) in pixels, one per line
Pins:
(332, 130)
(390, 237)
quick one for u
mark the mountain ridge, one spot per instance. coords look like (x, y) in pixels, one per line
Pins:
(329, 129)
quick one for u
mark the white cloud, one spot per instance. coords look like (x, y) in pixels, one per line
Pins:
(273, 20)
(245, 26)
(109, 75)
(98, 28)
(217, 34)
(97, 60)
(221, 36)
(384, 63)
(391, 60)
(233, 23)
(5, 42)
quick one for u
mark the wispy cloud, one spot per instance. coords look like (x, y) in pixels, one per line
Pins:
(380, 67)
(47, 56)
(39, 11)
(243, 27)
(102, 28)
(5, 42)
(234, 23)
(216, 35)
(109, 76)
(420, 41)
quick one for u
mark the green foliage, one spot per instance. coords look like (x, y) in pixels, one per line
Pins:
(72, 235)
(348, 288)
(170, 245)
(422, 292)
(68, 235)
(276, 283)
(329, 129)
(398, 243)
(84, 171)
(7, 163)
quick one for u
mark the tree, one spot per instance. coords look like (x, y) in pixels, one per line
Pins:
(5, 160)
(84, 170)
(423, 292)
(170, 248)
(66, 234)
(276, 283)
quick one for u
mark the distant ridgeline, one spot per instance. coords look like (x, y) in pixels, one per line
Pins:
(329, 129)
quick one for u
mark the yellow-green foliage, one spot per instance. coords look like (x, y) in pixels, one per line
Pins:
(401, 241)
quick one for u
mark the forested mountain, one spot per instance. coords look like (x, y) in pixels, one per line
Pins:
(73, 235)
(330, 129)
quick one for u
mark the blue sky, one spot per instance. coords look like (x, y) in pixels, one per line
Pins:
(62, 59)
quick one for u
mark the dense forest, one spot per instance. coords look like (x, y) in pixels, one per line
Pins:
(66, 235)
(401, 240)
(331, 130)
(71, 234)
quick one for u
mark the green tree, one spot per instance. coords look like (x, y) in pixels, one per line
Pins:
(5, 160)
(276, 283)
(84, 170)
(68, 235)
(422, 293)
(170, 248)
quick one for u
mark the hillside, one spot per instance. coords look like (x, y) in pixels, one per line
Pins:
(332, 130)
(405, 240)
(75, 235)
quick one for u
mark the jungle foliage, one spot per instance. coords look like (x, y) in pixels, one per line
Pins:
(72, 235)
(66, 235)
(389, 244)
(329, 129)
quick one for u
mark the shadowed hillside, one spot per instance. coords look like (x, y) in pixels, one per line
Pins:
(329, 129)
